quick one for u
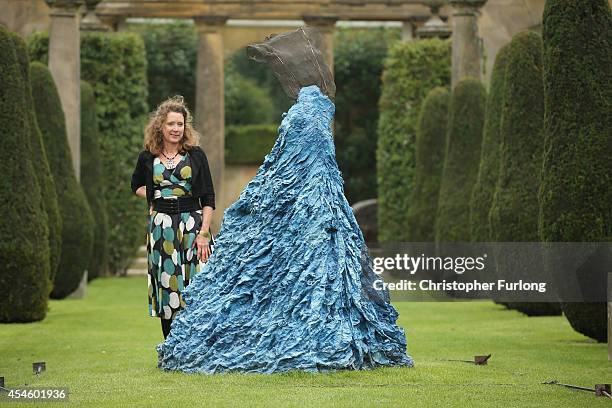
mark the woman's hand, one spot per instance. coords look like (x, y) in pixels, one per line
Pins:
(203, 248)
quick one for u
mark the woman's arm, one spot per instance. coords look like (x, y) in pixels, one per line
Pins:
(207, 212)
(207, 201)
(208, 198)
(138, 176)
(138, 183)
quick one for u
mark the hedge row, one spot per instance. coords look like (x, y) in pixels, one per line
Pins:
(245, 102)
(249, 144)
(25, 256)
(576, 190)
(77, 219)
(412, 69)
(430, 145)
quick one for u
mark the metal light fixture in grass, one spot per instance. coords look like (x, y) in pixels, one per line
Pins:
(39, 367)
(478, 360)
(600, 390)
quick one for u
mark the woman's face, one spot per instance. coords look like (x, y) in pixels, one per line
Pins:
(173, 128)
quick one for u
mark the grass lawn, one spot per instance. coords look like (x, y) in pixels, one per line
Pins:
(103, 349)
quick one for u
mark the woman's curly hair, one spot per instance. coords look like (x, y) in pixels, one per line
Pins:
(153, 135)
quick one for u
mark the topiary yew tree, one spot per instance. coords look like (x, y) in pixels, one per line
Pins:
(576, 190)
(466, 117)
(24, 249)
(430, 142)
(514, 209)
(44, 178)
(77, 219)
(482, 194)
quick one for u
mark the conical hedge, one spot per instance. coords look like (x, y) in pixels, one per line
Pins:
(514, 209)
(430, 143)
(92, 182)
(24, 249)
(576, 191)
(482, 194)
(77, 219)
(44, 178)
(412, 69)
(461, 161)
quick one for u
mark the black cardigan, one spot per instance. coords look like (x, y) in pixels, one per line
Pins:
(201, 180)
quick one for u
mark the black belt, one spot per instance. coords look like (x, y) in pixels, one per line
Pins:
(176, 205)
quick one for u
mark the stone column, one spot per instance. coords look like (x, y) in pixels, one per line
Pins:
(210, 102)
(466, 57)
(326, 24)
(65, 67)
(118, 24)
(113, 23)
(407, 31)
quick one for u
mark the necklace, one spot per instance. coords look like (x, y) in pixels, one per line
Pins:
(170, 163)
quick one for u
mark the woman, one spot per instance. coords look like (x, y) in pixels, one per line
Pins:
(172, 174)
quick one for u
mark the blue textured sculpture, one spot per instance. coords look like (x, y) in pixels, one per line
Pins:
(289, 285)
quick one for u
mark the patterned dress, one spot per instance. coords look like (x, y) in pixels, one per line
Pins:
(172, 261)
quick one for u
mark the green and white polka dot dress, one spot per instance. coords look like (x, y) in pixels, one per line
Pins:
(172, 261)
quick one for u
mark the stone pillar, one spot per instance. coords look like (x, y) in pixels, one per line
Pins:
(466, 57)
(326, 24)
(407, 31)
(210, 102)
(65, 67)
(113, 23)
(118, 24)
